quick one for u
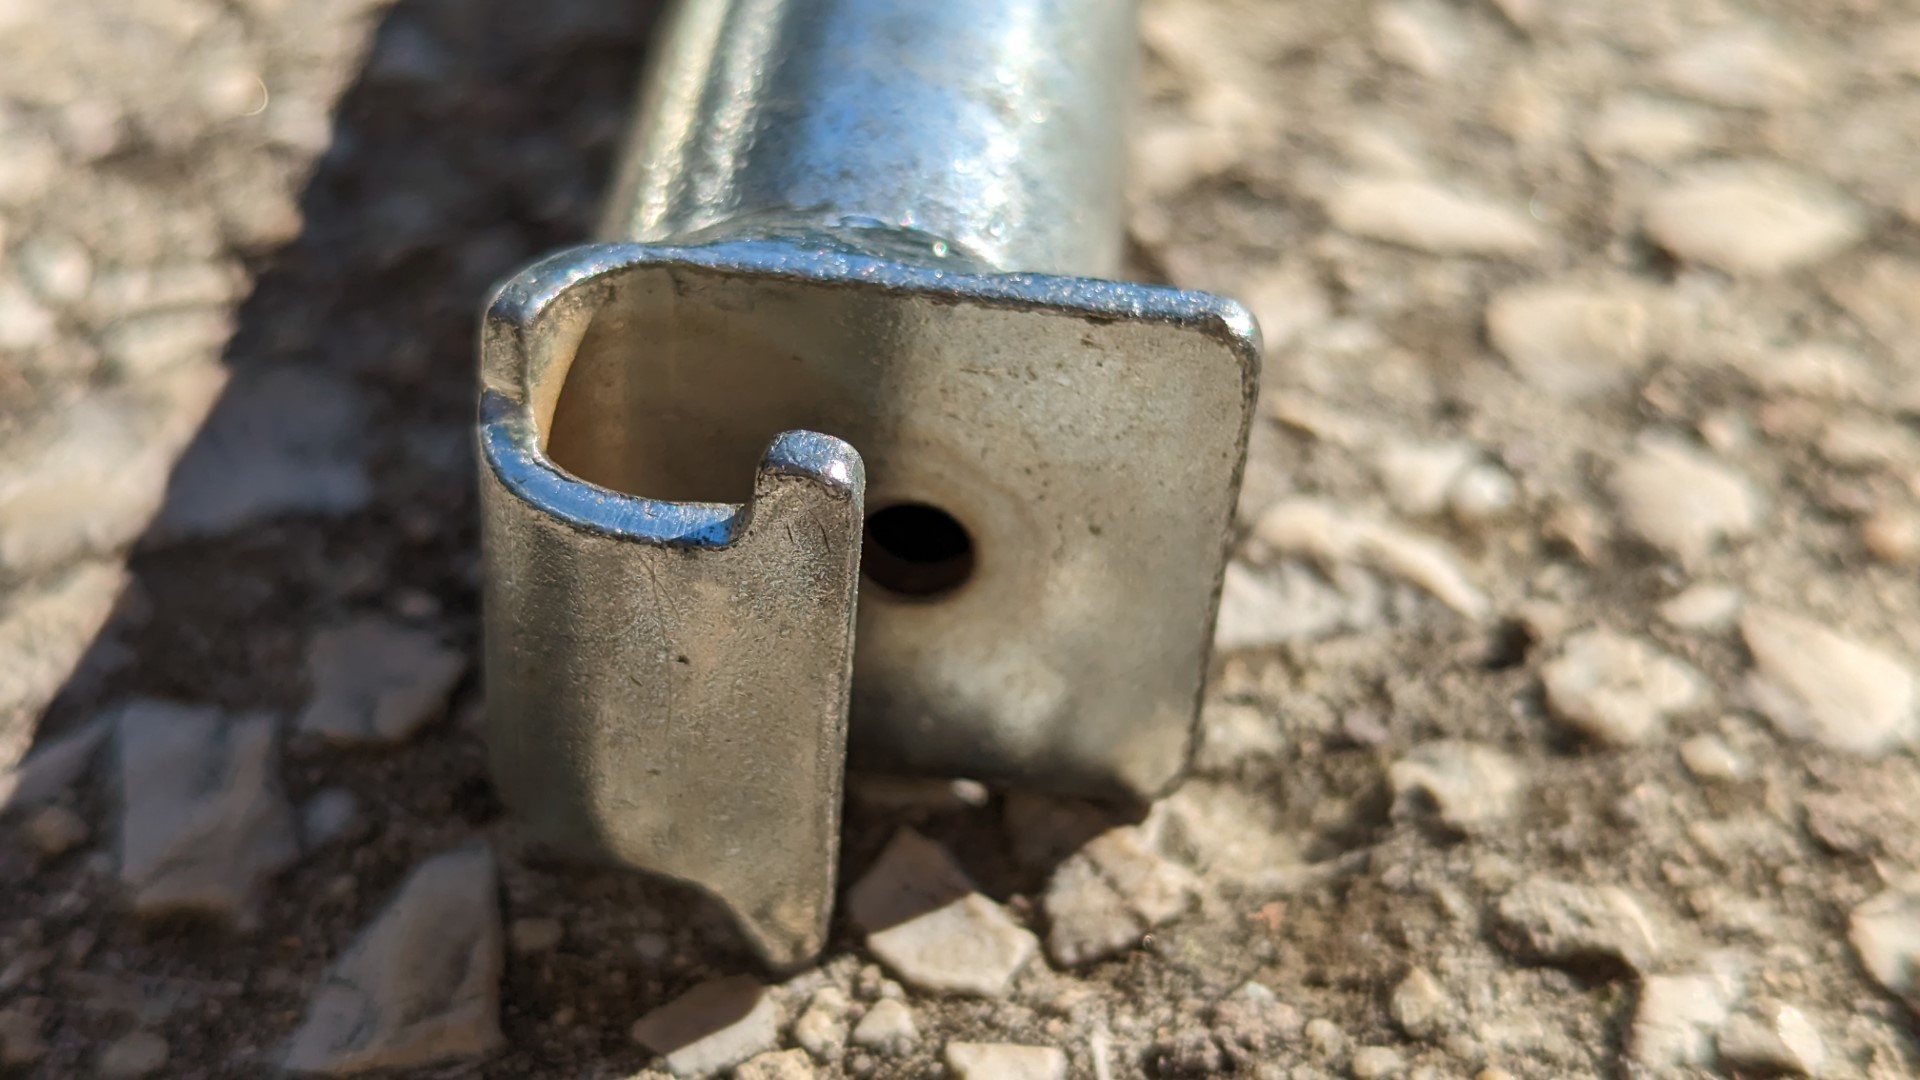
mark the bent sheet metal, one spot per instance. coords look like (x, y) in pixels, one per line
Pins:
(849, 368)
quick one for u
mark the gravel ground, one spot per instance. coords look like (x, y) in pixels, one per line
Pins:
(1565, 711)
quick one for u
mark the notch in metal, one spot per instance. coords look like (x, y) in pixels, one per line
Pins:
(861, 223)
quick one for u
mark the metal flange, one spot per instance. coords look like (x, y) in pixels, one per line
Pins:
(829, 204)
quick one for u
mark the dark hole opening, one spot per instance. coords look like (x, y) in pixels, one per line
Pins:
(1507, 646)
(916, 550)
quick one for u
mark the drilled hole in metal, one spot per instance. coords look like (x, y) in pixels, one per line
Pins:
(916, 550)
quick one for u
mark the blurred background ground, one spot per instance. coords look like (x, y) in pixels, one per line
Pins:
(1564, 716)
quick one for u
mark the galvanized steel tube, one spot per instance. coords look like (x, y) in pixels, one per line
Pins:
(991, 130)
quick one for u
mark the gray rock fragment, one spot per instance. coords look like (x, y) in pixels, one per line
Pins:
(1292, 602)
(1376, 1063)
(1428, 216)
(1418, 475)
(888, 1027)
(1677, 1015)
(1708, 757)
(1561, 922)
(1188, 1048)
(1682, 500)
(1634, 127)
(1232, 734)
(1004, 1061)
(420, 985)
(1420, 1005)
(203, 822)
(1752, 217)
(1332, 535)
(777, 1065)
(1420, 35)
(1772, 1038)
(1740, 64)
(926, 922)
(1251, 1023)
(1571, 340)
(282, 441)
(138, 1053)
(1885, 932)
(712, 1028)
(332, 813)
(1326, 1036)
(1109, 893)
(1703, 607)
(1618, 690)
(1230, 836)
(377, 682)
(1815, 684)
(822, 1028)
(1470, 787)
(53, 768)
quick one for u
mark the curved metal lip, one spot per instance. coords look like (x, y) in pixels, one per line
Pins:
(546, 307)
(509, 445)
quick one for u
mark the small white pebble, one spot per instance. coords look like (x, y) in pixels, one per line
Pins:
(1742, 65)
(1820, 370)
(1703, 607)
(1571, 340)
(1617, 689)
(822, 1028)
(1325, 1035)
(777, 1065)
(1484, 492)
(1752, 218)
(1648, 129)
(1419, 477)
(1816, 684)
(1420, 1005)
(888, 1027)
(1430, 217)
(1005, 1061)
(1892, 536)
(1885, 934)
(1773, 1038)
(1682, 500)
(1376, 1063)
(1421, 35)
(1471, 787)
(1708, 757)
(1565, 922)
(1330, 533)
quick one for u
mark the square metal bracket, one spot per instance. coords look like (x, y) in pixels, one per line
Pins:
(1042, 469)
